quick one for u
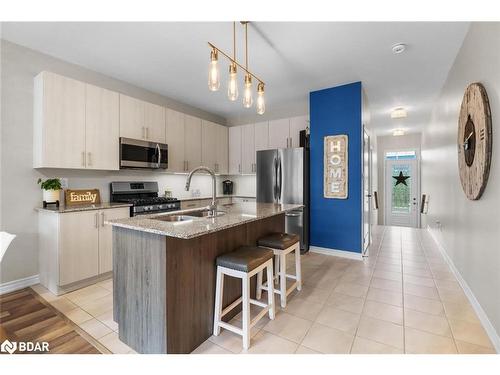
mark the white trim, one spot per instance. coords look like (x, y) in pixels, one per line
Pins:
(12, 286)
(481, 314)
(336, 253)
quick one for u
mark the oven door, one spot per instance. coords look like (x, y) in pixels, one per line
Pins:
(136, 153)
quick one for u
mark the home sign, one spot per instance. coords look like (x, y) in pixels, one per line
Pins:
(335, 166)
(82, 197)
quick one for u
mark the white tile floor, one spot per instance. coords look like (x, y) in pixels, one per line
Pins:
(401, 299)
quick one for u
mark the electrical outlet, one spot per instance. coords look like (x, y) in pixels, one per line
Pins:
(64, 182)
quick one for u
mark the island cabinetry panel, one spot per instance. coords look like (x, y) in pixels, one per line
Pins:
(165, 286)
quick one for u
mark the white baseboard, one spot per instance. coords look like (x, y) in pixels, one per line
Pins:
(481, 314)
(336, 253)
(14, 285)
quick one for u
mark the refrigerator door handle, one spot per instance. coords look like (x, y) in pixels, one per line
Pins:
(280, 179)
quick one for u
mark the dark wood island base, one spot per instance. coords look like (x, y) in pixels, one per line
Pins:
(164, 287)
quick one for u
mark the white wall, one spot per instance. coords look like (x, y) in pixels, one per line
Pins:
(19, 191)
(469, 229)
(391, 143)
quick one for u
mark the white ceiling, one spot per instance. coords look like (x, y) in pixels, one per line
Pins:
(293, 59)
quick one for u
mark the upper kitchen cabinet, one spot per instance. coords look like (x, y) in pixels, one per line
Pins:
(141, 120)
(102, 128)
(175, 141)
(222, 149)
(248, 163)
(261, 136)
(192, 142)
(132, 112)
(279, 133)
(235, 150)
(297, 124)
(59, 122)
(154, 122)
(209, 136)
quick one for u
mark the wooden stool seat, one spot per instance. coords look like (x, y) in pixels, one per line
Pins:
(281, 244)
(243, 263)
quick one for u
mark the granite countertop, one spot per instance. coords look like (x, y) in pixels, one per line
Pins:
(63, 209)
(235, 214)
(218, 197)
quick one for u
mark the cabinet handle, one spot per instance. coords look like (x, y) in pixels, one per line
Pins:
(143, 132)
(89, 159)
(239, 168)
(83, 158)
(147, 132)
(103, 218)
(96, 219)
(187, 165)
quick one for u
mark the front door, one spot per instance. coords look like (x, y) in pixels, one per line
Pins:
(401, 193)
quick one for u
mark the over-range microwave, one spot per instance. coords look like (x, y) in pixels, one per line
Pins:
(136, 153)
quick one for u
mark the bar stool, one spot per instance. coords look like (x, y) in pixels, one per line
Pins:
(243, 263)
(281, 244)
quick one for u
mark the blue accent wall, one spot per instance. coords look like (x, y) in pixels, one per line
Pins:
(336, 223)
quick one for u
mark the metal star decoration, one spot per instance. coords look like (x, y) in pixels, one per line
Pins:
(401, 179)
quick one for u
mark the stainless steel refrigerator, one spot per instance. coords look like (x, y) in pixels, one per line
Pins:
(283, 177)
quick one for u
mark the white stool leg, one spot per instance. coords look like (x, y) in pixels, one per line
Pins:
(283, 279)
(258, 294)
(218, 301)
(270, 291)
(276, 267)
(246, 312)
(298, 271)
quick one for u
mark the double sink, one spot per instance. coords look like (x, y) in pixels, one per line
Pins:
(204, 213)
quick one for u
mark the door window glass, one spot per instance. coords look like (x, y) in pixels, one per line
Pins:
(401, 180)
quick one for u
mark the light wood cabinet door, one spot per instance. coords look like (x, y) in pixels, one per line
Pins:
(102, 129)
(154, 122)
(261, 136)
(297, 124)
(235, 150)
(247, 149)
(132, 118)
(222, 149)
(59, 122)
(279, 133)
(192, 142)
(175, 141)
(79, 246)
(209, 144)
(106, 236)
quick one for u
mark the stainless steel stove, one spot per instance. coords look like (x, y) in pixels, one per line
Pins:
(143, 196)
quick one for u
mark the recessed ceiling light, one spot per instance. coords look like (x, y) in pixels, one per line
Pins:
(398, 48)
(399, 112)
(398, 132)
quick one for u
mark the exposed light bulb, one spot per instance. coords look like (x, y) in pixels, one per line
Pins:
(261, 102)
(247, 95)
(213, 72)
(232, 84)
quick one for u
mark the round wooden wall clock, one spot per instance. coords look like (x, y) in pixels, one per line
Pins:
(474, 141)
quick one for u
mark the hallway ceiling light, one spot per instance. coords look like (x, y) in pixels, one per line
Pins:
(399, 113)
(398, 132)
(398, 48)
(232, 86)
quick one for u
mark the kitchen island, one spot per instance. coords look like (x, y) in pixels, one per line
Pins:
(164, 271)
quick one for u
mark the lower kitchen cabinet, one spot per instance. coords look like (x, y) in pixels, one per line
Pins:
(75, 247)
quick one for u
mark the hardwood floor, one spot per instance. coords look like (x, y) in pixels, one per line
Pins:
(25, 317)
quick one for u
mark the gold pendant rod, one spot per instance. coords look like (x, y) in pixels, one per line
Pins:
(236, 62)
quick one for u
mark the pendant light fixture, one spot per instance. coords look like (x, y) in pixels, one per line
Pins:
(213, 72)
(232, 83)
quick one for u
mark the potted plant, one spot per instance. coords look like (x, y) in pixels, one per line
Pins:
(51, 190)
